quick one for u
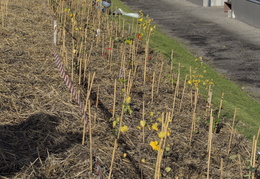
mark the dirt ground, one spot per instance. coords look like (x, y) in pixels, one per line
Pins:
(41, 127)
(230, 46)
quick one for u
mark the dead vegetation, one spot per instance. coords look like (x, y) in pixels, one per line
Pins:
(134, 87)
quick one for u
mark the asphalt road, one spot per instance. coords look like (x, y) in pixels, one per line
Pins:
(230, 46)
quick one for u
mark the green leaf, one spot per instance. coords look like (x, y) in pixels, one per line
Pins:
(233, 157)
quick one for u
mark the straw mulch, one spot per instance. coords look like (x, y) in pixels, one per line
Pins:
(41, 127)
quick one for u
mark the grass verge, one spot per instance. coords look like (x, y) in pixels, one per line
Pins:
(247, 118)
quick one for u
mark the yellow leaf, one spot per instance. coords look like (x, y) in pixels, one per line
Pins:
(155, 126)
(142, 123)
(162, 134)
(167, 169)
(138, 127)
(143, 160)
(151, 113)
(124, 155)
(154, 145)
(123, 129)
(128, 100)
(114, 123)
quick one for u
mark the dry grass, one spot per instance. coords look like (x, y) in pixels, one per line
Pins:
(41, 127)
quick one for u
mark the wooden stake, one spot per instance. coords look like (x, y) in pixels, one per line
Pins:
(209, 142)
(113, 158)
(178, 80)
(90, 137)
(221, 168)
(183, 91)
(84, 131)
(145, 59)
(220, 104)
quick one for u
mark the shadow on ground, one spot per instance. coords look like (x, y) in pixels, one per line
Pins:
(30, 141)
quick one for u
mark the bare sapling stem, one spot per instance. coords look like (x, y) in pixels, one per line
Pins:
(183, 91)
(123, 28)
(90, 84)
(232, 131)
(72, 57)
(165, 124)
(103, 44)
(171, 70)
(143, 114)
(114, 102)
(220, 104)
(208, 107)
(191, 96)
(80, 69)
(129, 84)
(251, 157)
(153, 86)
(97, 97)
(159, 79)
(178, 80)
(195, 109)
(120, 123)
(133, 55)
(145, 59)
(209, 143)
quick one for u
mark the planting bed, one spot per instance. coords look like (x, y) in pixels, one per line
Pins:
(135, 91)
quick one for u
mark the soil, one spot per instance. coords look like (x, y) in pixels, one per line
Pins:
(230, 46)
(41, 125)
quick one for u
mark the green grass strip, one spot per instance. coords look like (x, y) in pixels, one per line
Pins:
(248, 110)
